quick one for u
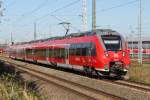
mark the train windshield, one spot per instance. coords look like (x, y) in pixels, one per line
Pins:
(112, 42)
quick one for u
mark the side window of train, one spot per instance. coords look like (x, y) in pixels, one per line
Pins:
(72, 49)
(29, 51)
(56, 53)
(59, 53)
(93, 49)
(78, 49)
(50, 53)
(62, 53)
(83, 49)
(40, 52)
(43, 52)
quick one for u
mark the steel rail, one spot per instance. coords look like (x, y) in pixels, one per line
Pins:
(74, 87)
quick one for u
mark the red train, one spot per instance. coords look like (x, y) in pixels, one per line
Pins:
(102, 51)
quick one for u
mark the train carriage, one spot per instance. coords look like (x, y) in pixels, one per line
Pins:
(103, 51)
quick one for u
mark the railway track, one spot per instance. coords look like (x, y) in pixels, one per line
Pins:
(79, 89)
(84, 90)
(134, 85)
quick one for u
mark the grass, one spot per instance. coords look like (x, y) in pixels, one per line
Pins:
(11, 90)
(139, 73)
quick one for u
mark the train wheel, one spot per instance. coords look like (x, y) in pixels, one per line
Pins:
(54, 65)
(35, 61)
(89, 71)
(99, 74)
(85, 71)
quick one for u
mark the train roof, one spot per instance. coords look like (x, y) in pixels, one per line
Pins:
(80, 34)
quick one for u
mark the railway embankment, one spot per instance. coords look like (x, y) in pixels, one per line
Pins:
(74, 86)
(13, 86)
(39, 89)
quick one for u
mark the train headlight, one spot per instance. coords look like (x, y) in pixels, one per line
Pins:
(106, 54)
(123, 53)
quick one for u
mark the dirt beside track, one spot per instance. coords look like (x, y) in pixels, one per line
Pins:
(50, 91)
(56, 92)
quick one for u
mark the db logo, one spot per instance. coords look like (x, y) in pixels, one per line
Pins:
(77, 59)
(115, 55)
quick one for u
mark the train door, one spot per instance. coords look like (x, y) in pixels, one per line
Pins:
(67, 54)
(47, 54)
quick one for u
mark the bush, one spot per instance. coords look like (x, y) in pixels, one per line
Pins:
(12, 90)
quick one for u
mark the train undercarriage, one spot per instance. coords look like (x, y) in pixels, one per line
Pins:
(115, 70)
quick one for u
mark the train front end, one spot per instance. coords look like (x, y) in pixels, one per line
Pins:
(114, 56)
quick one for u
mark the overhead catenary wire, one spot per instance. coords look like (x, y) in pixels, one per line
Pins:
(63, 21)
(52, 12)
(76, 1)
(109, 8)
(49, 14)
(117, 6)
(37, 8)
(25, 15)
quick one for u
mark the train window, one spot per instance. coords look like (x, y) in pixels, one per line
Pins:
(83, 49)
(50, 53)
(56, 53)
(72, 49)
(62, 53)
(93, 49)
(29, 51)
(78, 51)
(112, 42)
(89, 50)
(40, 52)
(93, 52)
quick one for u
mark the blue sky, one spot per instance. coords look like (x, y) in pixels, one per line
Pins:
(20, 16)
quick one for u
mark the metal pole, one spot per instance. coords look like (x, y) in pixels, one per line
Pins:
(84, 15)
(34, 31)
(132, 47)
(1, 12)
(140, 32)
(93, 14)
(132, 41)
(11, 38)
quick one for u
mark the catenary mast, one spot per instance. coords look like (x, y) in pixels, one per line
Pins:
(140, 33)
(93, 14)
(84, 15)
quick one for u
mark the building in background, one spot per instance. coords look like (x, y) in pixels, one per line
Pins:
(133, 46)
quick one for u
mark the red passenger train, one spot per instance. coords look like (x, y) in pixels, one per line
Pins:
(102, 51)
